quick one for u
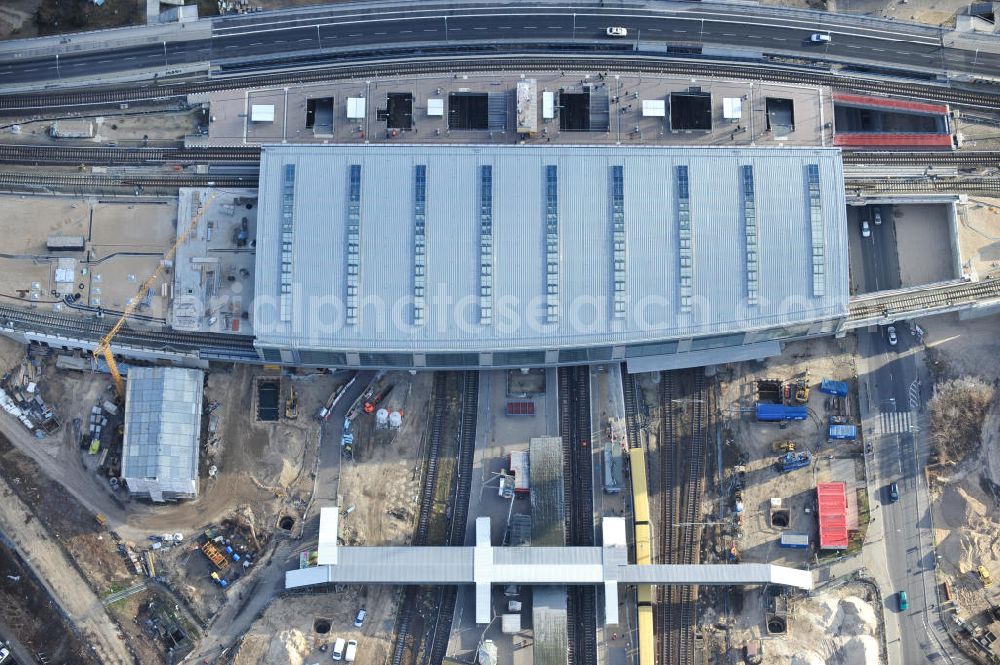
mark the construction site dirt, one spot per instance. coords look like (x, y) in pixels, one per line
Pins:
(376, 490)
(738, 512)
(30, 614)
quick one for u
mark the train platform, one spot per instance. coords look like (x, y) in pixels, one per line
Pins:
(607, 409)
(497, 436)
(570, 107)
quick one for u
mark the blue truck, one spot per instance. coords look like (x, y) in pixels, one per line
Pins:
(775, 413)
(835, 388)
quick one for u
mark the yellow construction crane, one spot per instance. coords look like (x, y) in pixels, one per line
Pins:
(103, 349)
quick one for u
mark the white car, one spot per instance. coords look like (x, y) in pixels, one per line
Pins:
(877, 215)
(359, 619)
(338, 649)
(891, 333)
(352, 651)
(617, 31)
(820, 38)
(4, 654)
(866, 230)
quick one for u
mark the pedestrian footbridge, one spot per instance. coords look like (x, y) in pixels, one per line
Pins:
(484, 565)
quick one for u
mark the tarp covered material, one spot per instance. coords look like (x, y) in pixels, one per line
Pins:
(329, 520)
(832, 500)
(654, 108)
(831, 387)
(355, 108)
(521, 470)
(732, 108)
(435, 107)
(262, 113)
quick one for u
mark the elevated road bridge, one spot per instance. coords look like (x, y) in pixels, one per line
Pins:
(356, 29)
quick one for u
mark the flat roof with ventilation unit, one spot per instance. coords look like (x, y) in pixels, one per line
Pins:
(691, 111)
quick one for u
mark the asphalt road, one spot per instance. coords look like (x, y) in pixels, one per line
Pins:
(283, 34)
(899, 455)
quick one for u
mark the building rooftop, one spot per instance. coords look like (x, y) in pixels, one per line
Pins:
(548, 502)
(162, 429)
(438, 249)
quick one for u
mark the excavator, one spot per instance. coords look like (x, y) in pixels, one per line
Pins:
(292, 405)
(797, 390)
(103, 349)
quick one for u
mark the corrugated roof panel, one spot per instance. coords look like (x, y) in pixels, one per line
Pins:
(585, 246)
(162, 424)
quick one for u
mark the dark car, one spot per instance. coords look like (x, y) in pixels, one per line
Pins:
(894, 492)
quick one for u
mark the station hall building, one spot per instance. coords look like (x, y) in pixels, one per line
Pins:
(481, 256)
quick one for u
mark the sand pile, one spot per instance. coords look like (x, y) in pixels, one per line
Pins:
(287, 646)
(828, 630)
(967, 531)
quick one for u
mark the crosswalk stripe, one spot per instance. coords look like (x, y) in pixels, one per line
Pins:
(895, 422)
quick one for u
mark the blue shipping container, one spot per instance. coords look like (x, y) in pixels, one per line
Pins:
(843, 432)
(798, 541)
(780, 412)
(831, 387)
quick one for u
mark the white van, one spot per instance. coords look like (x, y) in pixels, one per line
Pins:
(338, 649)
(352, 651)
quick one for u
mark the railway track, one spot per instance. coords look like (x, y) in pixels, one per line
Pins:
(448, 596)
(978, 158)
(135, 156)
(51, 155)
(37, 179)
(685, 423)
(146, 335)
(406, 644)
(364, 68)
(960, 185)
(410, 639)
(574, 421)
(632, 424)
(899, 303)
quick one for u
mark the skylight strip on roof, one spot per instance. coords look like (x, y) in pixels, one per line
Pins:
(353, 267)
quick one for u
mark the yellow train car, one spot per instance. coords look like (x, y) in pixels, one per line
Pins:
(643, 554)
(647, 641)
(643, 545)
(640, 489)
